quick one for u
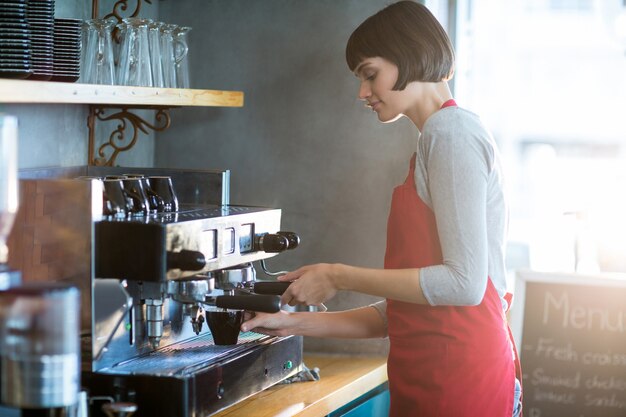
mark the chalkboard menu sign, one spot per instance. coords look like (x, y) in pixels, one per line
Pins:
(572, 344)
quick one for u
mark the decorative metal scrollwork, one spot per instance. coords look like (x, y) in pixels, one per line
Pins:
(120, 7)
(119, 141)
(123, 5)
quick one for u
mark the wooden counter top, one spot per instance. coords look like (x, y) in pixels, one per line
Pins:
(342, 379)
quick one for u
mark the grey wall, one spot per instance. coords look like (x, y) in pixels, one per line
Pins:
(303, 141)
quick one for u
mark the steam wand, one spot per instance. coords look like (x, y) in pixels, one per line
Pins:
(273, 274)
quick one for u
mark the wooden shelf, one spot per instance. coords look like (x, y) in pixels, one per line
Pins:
(24, 91)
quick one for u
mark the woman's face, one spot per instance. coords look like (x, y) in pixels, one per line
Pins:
(377, 77)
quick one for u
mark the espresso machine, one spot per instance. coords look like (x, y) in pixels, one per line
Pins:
(165, 274)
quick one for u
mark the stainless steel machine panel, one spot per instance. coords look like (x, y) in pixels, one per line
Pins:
(164, 246)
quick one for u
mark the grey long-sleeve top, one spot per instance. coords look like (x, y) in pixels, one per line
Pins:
(458, 174)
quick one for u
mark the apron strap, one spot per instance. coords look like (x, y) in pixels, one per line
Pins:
(410, 178)
(508, 297)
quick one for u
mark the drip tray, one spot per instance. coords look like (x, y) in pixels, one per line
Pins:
(196, 377)
(185, 358)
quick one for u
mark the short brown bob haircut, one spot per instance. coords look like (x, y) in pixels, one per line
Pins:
(407, 34)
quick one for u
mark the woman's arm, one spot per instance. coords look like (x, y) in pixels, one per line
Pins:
(314, 284)
(458, 159)
(364, 322)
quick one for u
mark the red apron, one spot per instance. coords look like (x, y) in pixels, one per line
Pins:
(443, 360)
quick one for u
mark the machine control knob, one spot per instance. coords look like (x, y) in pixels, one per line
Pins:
(271, 243)
(293, 238)
(186, 260)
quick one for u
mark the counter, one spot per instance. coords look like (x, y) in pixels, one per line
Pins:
(342, 379)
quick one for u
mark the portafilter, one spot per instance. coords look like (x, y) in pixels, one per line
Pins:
(220, 298)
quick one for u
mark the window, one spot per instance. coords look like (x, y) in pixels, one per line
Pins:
(548, 77)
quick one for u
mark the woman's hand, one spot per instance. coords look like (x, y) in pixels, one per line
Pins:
(276, 324)
(362, 322)
(310, 285)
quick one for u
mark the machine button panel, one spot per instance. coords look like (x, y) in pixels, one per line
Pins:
(246, 238)
(207, 244)
(228, 241)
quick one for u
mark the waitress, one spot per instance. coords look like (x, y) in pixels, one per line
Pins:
(451, 352)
